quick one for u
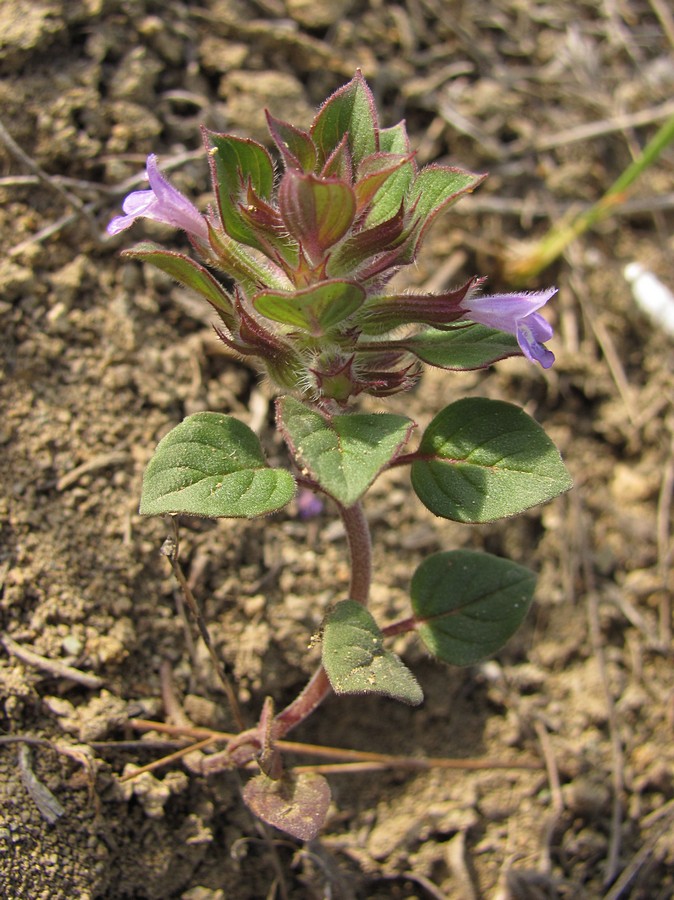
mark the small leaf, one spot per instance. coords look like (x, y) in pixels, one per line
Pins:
(316, 211)
(436, 187)
(355, 660)
(349, 111)
(296, 803)
(315, 309)
(374, 174)
(468, 604)
(339, 163)
(463, 348)
(344, 453)
(189, 273)
(394, 139)
(484, 460)
(237, 163)
(233, 259)
(365, 244)
(212, 465)
(392, 195)
(295, 145)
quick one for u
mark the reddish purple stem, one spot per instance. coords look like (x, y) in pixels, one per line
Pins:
(360, 553)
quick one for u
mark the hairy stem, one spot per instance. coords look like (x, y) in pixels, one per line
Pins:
(360, 554)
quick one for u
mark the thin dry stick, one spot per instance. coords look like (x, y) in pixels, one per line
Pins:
(545, 865)
(455, 855)
(80, 755)
(49, 806)
(664, 540)
(102, 461)
(622, 884)
(52, 666)
(618, 765)
(606, 126)
(608, 349)
(171, 757)
(171, 550)
(70, 199)
(338, 753)
(664, 14)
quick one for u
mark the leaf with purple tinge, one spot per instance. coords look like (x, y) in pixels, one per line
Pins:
(296, 803)
(294, 144)
(237, 163)
(435, 188)
(350, 110)
(189, 273)
(316, 211)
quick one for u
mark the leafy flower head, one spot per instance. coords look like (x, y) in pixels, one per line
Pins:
(313, 250)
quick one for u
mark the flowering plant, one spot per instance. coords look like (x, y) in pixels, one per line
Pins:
(311, 254)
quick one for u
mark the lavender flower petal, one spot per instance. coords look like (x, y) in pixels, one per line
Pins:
(516, 314)
(162, 203)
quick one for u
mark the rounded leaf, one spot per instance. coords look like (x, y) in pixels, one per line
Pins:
(296, 803)
(344, 453)
(213, 465)
(468, 604)
(483, 460)
(355, 660)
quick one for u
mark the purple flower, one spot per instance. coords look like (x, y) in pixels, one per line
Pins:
(163, 203)
(308, 504)
(516, 314)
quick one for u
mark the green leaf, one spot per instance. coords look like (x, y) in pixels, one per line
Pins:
(189, 273)
(468, 604)
(236, 162)
(375, 173)
(315, 309)
(296, 803)
(212, 465)
(355, 660)
(466, 347)
(343, 453)
(231, 257)
(351, 111)
(389, 198)
(484, 460)
(436, 187)
(394, 139)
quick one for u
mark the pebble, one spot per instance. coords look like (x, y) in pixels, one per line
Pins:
(651, 295)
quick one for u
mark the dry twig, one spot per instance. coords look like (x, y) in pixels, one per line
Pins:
(52, 666)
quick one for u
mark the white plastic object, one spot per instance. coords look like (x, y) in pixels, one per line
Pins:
(651, 295)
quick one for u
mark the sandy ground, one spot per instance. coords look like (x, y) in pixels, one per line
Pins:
(101, 357)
